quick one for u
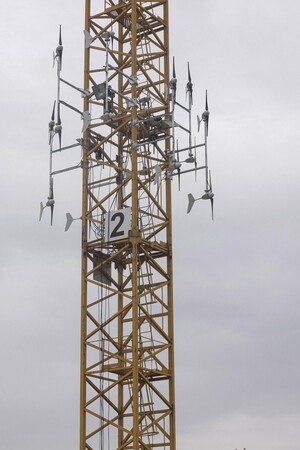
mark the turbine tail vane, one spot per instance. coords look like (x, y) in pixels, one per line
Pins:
(70, 219)
(69, 222)
(198, 123)
(42, 207)
(87, 39)
(191, 201)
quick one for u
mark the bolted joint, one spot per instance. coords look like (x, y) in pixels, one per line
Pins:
(135, 236)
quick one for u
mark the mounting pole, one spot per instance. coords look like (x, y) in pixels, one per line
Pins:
(135, 239)
(85, 170)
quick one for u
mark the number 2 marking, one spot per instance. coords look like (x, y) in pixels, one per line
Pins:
(115, 233)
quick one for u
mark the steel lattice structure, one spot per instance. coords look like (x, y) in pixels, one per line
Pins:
(127, 354)
(130, 156)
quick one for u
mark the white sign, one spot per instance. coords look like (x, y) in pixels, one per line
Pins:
(117, 224)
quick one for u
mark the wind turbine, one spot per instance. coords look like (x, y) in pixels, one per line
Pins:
(204, 117)
(52, 124)
(57, 56)
(208, 195)
(208, 192)
(50, 202)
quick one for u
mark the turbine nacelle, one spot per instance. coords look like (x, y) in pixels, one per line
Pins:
(208, 195)
(205, 116)
(173, 84)
(108, 35)
(175, 165)
(50, 204)
(189, 87)
(191, 159)
(51, 125)
(59, 51)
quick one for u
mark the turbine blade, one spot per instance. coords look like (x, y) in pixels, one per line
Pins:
(191, 201)
(198, 122)
(206, 102)
(41, 211)
(60, 39)
(58, 114)
(189, 73)
(178, 171)
(69, 221)
(52, 211)
(157, 174)
(210, 184)
(212, 208)
(87, 39)
(174, 70)
(53, 111)
(86, 117)
(59, 138)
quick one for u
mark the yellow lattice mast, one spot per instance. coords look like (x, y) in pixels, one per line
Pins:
(127, 362)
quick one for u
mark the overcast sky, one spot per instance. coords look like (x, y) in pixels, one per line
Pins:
(237, 280)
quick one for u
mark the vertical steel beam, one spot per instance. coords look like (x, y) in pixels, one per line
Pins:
(83, 359)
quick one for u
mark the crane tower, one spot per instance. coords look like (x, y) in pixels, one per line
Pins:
(127, 356)
(129, 160)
